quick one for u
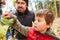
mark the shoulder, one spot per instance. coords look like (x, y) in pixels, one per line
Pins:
(31, 12)
(51, 34)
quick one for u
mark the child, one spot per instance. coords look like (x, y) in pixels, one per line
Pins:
(43, 21)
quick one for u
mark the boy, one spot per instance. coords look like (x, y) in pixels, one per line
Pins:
(43, 21)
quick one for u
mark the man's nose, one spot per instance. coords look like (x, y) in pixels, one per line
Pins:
(20, 5)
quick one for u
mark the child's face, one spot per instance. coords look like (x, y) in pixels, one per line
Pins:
(40, 24)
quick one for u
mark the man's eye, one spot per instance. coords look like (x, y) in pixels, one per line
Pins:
(18, 2)
(22, 3)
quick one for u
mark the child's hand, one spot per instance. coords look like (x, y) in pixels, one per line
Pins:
(6, 15)
(3, 2)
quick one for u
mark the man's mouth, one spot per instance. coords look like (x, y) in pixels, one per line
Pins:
(20, 7)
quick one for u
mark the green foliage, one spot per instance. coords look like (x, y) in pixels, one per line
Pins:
(4, 24)
(3, 30)
(39, 5)
(6, 21)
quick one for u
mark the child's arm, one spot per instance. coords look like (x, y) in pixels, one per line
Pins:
(19, 27)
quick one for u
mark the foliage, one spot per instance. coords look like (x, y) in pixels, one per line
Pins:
(39, 5)
(4, 24)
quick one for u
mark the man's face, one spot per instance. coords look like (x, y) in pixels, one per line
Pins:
(21, 5)
(40, 24)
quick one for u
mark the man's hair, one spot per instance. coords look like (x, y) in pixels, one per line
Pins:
(48, 14)
(25, 1)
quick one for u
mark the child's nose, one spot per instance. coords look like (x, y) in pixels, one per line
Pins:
(35, 22)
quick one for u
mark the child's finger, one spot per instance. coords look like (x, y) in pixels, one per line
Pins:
(6, 15)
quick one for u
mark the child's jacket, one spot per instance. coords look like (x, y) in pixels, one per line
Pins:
(30, 33)
(34, 35)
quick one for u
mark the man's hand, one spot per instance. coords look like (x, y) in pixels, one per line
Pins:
(6, 15)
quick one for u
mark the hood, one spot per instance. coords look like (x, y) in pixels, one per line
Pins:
(52, 34)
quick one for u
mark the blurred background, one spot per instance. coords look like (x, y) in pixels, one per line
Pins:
(54, 5)
(35, 5)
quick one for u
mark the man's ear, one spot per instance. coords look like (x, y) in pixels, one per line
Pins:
(49, 25)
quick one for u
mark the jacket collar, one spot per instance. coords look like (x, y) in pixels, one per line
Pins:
(50, 33)
(26, 12)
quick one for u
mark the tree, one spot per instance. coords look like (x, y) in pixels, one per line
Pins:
(39, 5)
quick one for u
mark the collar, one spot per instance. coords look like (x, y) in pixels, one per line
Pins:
(26, 12)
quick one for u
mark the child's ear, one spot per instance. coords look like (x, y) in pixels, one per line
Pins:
(48, 26)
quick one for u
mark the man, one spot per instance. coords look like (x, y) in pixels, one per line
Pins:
(24, 16)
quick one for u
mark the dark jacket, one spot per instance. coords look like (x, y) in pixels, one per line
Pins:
(25, 19)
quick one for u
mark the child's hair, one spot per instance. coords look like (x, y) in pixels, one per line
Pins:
(48, 14)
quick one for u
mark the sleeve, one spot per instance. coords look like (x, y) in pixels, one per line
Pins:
(19, 27)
